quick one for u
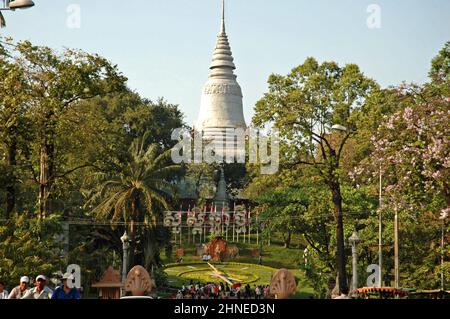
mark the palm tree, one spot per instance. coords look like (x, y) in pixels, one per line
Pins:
(136, 194)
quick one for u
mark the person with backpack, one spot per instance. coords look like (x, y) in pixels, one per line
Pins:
(64, 292)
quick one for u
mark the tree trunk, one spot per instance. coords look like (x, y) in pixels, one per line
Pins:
(340, 254)
(133, 231)
(47, 163)
(10, 187)
(287, 240)
(46, 177)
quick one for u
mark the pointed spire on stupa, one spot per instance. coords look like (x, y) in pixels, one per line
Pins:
(221, 105)
(222, 62)
(223, 17)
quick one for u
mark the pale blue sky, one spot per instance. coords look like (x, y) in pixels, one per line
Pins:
(164, 46)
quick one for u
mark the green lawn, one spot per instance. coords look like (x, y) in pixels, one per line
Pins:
(275, 255)
(248, 273)
(245, 267)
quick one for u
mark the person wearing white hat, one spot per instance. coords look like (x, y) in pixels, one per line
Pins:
(19, 291)
(41, 291)
(65, 292)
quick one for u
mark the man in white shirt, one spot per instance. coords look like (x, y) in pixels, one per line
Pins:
(19, 291)
(41, 291)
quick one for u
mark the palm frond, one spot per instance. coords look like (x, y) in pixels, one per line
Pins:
(145, 177)
(108, 187)
(106, 207)
(2, 21)
(122, 203)
(158, 197)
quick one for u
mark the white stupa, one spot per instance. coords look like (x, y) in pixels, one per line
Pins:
(221, 104)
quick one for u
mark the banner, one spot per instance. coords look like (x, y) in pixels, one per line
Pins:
(200, 221)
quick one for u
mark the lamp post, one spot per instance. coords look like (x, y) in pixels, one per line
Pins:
(338, 127)
(126, 246)
(443, 217)
(354, 240)
(13, 5)
(380, 233)
(396, 257)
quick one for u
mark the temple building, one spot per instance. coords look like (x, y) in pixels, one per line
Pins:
(221, 110)
(221, 104)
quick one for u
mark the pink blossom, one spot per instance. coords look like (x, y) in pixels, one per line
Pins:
(408, 114)
(436, 175)
(390, 124)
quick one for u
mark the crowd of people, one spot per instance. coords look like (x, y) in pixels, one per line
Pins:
(41, 289)
(223, 291)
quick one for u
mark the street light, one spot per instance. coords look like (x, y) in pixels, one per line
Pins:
(20, 4)
(443, 217)
(126, 246)
(13, 5)
(354, 240)
(380, 231)
(338, 127)
(396, 255)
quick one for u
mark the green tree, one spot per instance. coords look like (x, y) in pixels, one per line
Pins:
(156, 118)
(13, 123)
(440, 69)
(284, 209)
(297, 200)
(304, 105)
(56, 82)
(137, 194)
(410, 148)
(28, 247)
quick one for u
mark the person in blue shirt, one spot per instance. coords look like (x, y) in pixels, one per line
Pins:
(64, 291)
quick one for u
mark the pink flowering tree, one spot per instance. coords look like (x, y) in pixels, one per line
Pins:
(411, 149)
(411, 145)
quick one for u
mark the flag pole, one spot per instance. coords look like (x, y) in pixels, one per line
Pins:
(249, 225)
(227, 225)
(204, 225)
(189, 227)
(175, 233)
(181, 228)
(245, 227)
(215, 215)
(257, 230)
(233, 220)
(192, 230)
(221, 217)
